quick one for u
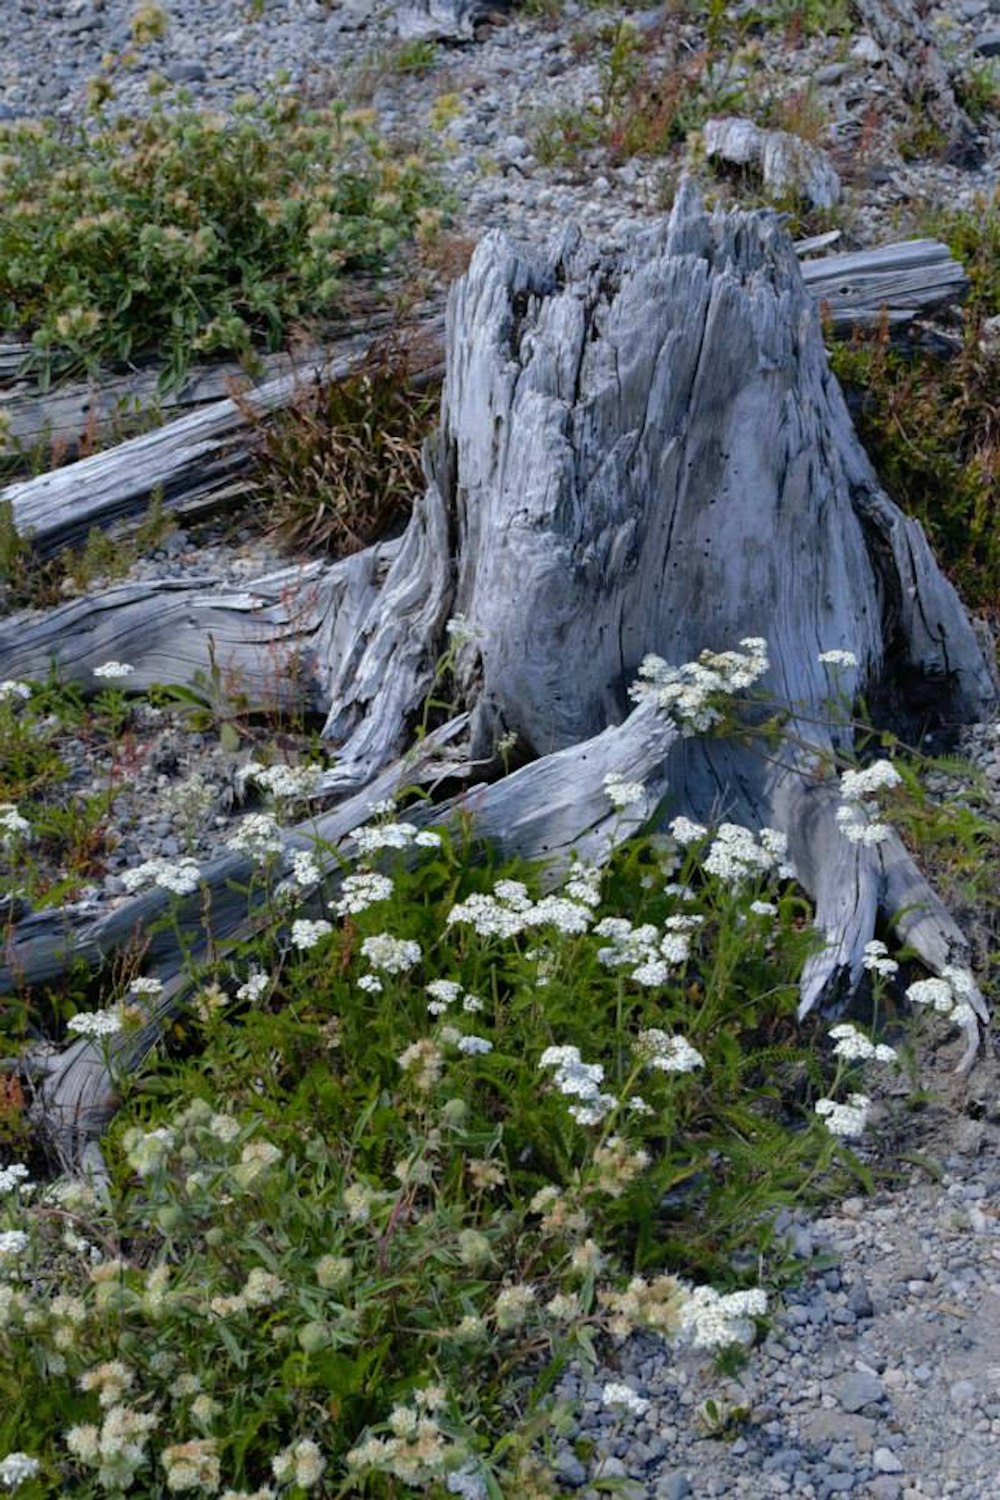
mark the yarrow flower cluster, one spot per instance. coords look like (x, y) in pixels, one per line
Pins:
(285, 783)
(179, 876)
(837, 658)
(952, 994)
(853, 1046)
(857, 818)
(16, 1468)
(576, 1079)
(359, 892)
(259, 836)
(689, 693)
(616, 1393)
(649, 953)
(712, 1320)
(877, 961)
(12, 824)
(306, 934)
(735, 856)
(374, 836)
(668, 1054)
(509, 910)
(14, 692)
(114, 671)
(845, 1120)
(391, 954)
(96, 1023)
(14, 1178)
(622, 793)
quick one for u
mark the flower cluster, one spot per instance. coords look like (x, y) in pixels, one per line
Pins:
(845, 1120)
(713, 1320)
(690, 693)
(622, 793)
(372, 837)
(179, 876)
(648, 953)
(857, 815)
(952, 994)
(668, 1054)
(735, 856)
(853, 1046)
(576, 1079)
(509, 910)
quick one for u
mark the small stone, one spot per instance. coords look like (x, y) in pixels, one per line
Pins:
(186, 72)
(673, 1487)
(962, 1392)
(866, 49)
(886, 1461)
(884, 1488)
(569, 1468)
(830, 73)
(859, 1389)
(859, 1300)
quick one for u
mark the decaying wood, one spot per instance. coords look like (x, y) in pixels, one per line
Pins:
(639, 451)
(918, 67)
(445, 20)
(787, 165)
(891, 283)
(190, 463)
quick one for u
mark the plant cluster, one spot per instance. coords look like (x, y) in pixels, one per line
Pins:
(341, 465)
(185, 233)
(426, 1135)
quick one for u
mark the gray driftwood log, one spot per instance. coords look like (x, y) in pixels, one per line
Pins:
(639, 451)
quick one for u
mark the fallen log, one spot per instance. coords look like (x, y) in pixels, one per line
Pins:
(639, 451)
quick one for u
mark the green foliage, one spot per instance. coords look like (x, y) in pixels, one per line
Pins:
(341, 466)
(184, 234)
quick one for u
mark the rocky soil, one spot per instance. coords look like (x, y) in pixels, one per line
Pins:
(880, 1376)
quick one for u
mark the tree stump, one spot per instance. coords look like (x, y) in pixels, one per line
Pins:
(639, 452)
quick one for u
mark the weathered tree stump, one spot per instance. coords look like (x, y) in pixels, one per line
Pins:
(639, 452)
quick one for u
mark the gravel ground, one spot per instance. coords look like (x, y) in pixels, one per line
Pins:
(880, 1375)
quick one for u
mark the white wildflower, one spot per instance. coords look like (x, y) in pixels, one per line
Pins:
(474, 1046)
(12, 823)
(305, 871)
(16, 1468)
(258, 836)
(286, 781)
(845, 1120)
(837, 658)
(361, 891)
(301, 1464)
(146, 986)
(668, 1054)
(854, 1046)
(684, 831)
(391, 954)
(14, 1178)
(114, 670)
(371, 838)
(877, 961)
(616, 1393)
(95, 1023)
(858, 828)
(253, 988)
(11, 690)
(622, 793)
(370, 983)
(193, 1465)
(180, 876)
(306, 934)
(879, 776)
(711, 1319)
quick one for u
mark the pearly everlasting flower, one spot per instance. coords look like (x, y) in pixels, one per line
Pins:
(424, 1061)
(667, 1054)
(513, 1305)
(616, 1393)
(333, 1271)
(618, 1165)
(359, 892)
(301, 1463)
(845, 1120)
(622, 793)
(146, 1151)
(111, 1380)
(16, 1468)
(854, 1046)
(306, 934)
(837, 658)
(256, 1159)
(180, 876)
(114, 670)
(391, 954)
(262, 1288)
(192, 1466)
